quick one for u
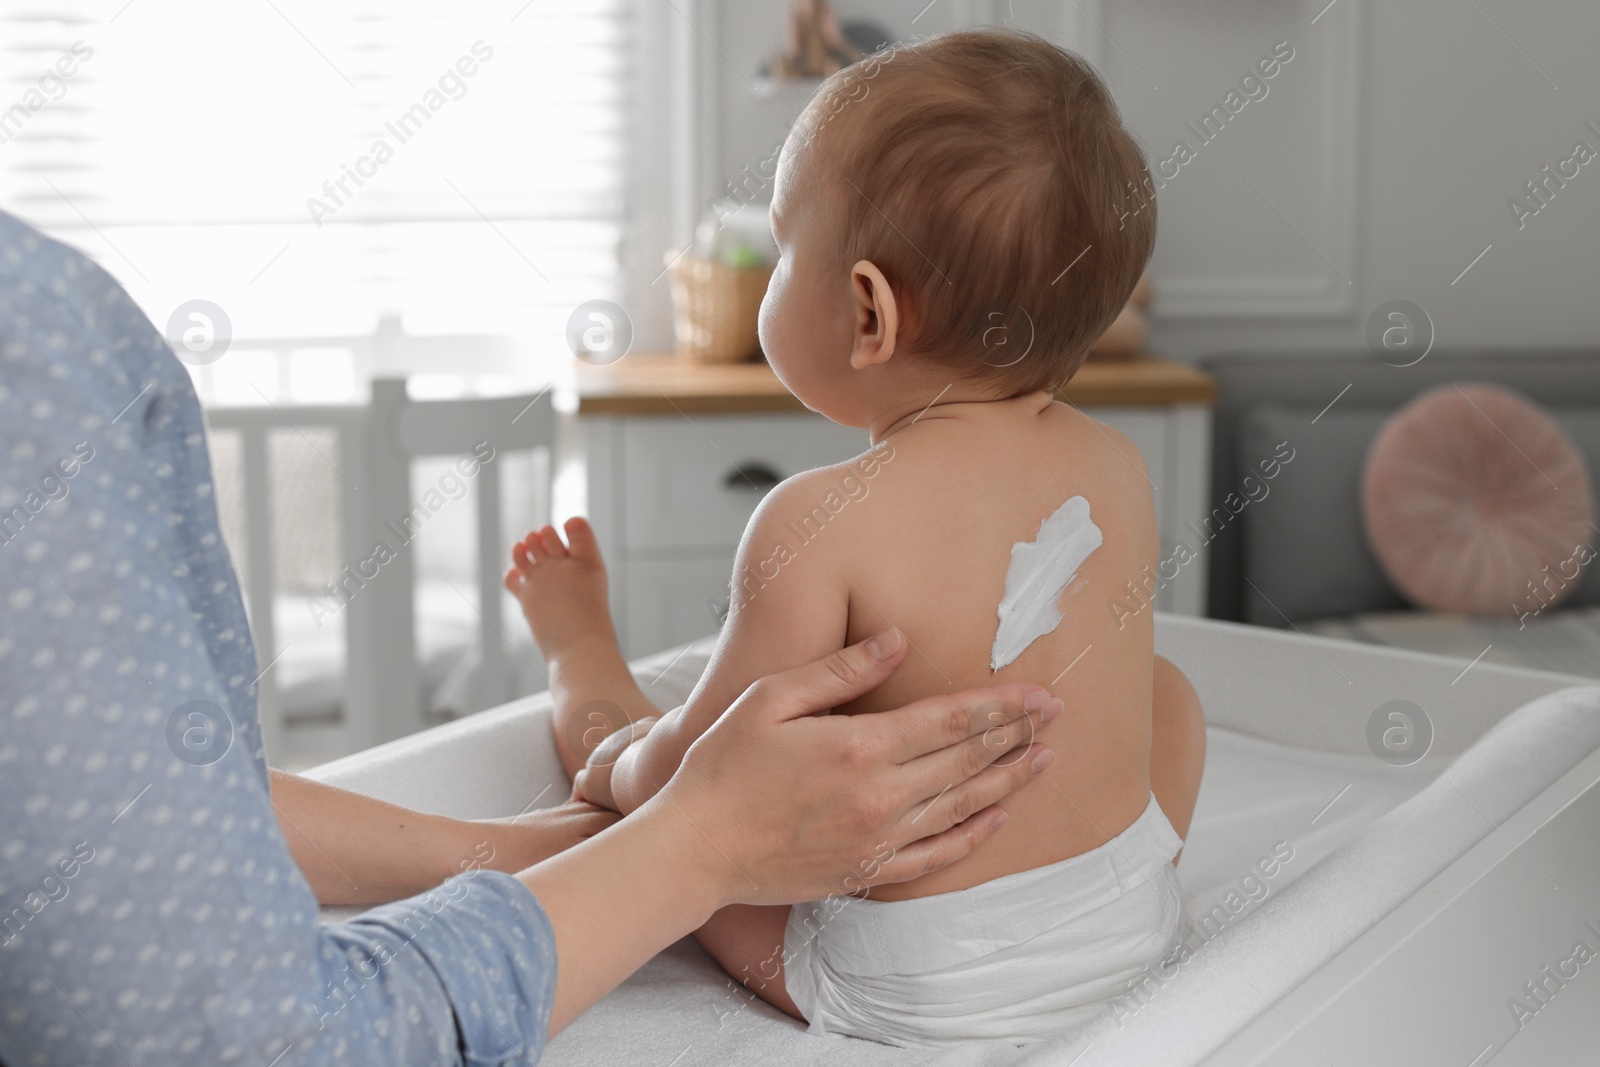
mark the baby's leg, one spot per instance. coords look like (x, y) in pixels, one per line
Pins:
(747, 939)
(1177, 747)
(562, 589)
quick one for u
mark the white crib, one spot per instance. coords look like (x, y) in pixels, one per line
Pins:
(301, 486)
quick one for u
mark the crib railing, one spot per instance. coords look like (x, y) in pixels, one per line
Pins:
(256, 552)
(376, 445)
(419, 429)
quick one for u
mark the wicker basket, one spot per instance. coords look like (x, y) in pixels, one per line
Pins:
(716, 308)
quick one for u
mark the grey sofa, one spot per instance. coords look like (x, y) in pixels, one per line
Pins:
(1299, 552)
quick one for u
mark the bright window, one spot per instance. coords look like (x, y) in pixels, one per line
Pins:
(312, 166)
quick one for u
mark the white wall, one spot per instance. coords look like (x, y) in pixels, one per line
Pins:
(1390, 144)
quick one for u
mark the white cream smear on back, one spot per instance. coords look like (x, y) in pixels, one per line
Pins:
(1039, 572)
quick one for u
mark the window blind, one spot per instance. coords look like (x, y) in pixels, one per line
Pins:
(312, 166)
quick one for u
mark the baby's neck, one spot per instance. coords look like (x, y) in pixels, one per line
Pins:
(967, 402)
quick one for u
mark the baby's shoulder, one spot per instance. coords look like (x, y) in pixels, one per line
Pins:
(833, 487)
(831, 498)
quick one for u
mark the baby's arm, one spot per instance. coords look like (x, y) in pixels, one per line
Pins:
(788, 606)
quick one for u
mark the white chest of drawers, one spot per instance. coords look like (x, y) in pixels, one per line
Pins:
(677, 457)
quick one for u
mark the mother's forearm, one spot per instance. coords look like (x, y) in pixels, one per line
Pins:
(354, 849)
(604, 929)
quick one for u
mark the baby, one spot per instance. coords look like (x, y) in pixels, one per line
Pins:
(957, 221)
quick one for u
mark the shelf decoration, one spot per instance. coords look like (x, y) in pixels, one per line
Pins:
(817, 47)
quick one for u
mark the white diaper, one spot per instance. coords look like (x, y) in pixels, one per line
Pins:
(1022, 957)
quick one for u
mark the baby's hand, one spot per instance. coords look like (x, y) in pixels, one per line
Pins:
(593, 784)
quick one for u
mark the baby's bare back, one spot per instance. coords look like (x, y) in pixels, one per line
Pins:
(927, 547)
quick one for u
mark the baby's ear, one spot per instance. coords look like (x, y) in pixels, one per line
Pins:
(877, 316)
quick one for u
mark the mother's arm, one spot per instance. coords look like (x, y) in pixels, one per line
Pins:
(354, 849)
(814, 797)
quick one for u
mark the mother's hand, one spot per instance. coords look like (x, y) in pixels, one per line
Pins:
(803, 805)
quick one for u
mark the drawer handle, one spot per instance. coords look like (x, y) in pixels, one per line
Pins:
(756, 476)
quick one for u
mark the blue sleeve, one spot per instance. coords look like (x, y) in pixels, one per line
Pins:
(150, 911)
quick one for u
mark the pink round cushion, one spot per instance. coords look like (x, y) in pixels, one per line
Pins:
(1469, 493)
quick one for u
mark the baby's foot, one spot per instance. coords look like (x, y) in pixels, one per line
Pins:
(562, 588)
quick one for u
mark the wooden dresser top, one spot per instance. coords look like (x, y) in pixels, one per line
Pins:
(665, 384)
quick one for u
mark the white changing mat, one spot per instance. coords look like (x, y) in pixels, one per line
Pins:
(681, 1009)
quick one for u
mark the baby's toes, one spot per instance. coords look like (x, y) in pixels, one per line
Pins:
(520, 557)
(581, 541)
(551, 543)
(538, 544)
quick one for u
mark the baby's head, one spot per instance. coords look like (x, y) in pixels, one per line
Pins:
(968, 209)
